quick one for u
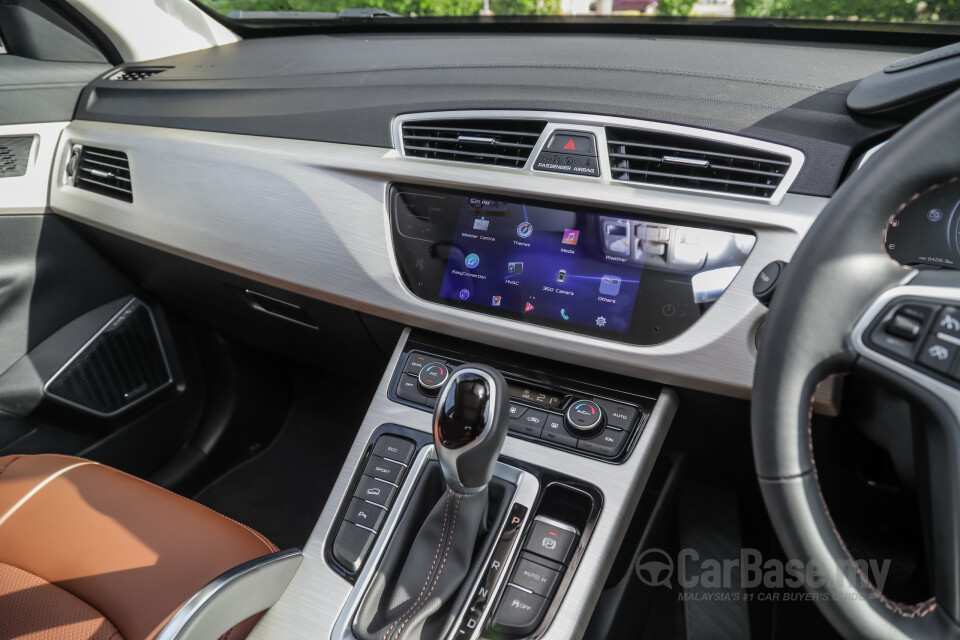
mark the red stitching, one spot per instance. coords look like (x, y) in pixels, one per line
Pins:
(436, 578)
(436, 556)
(920, 609)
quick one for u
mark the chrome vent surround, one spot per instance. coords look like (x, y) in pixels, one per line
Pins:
(499, 142)
(102, 171)
(133, 74)
(686, 162)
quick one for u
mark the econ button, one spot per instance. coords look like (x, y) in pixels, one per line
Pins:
(572, 142)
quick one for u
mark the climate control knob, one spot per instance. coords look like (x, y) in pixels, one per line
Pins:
(585, 419)
(433, 376)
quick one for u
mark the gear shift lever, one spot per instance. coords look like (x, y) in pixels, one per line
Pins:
(470, 425)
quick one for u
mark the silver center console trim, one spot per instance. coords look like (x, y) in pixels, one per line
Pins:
(311, 218)
(312, 604)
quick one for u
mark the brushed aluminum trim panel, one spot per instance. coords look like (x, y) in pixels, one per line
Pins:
(595, 125)
(313, 602)
(27, 194)
(311, 218)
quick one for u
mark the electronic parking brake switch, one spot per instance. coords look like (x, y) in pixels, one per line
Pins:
(549, 547)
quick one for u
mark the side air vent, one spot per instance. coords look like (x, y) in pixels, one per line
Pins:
(133, 74)
(505, 143)
(685, 162)
(14, 153)
(102, 171)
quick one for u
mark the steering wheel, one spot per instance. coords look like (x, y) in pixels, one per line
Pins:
(830, 315)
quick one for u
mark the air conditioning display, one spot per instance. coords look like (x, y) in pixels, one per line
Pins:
(602, 273)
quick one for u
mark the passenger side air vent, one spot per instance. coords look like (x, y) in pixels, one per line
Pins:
(102, 171)
(505, 143)
(14, 153)
(686, 162)
(132, 74)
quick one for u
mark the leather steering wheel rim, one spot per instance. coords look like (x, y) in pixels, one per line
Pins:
(838, 272)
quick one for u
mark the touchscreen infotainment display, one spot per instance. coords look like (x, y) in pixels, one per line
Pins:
(543, 262)
(627, 277)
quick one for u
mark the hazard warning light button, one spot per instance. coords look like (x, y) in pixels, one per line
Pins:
(576, 143)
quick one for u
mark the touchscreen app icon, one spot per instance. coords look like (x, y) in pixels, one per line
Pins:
(481, 224)
(472, 260)
(563, 314)
(515, 268)
(610, 285)
(561, 276)
(528, 308)
(496, 301)
(570, 236)
(464, 294)
(525, 230)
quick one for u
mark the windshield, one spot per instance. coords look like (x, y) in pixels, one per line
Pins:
(897, 11)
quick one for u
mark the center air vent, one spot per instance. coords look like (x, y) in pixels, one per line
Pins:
(686, 162)
(102, 171)
(505, 143)
(132, 74)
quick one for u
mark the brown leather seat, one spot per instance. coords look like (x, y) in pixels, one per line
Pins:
(87, 551)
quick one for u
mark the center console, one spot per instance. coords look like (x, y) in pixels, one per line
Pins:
(579, 446)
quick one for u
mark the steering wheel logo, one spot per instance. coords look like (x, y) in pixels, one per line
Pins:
(655, 568)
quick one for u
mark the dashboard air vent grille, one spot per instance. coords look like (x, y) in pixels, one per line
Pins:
(14, 153)
(505, 143)
(132, 74)
(102, 171)
(686, 162)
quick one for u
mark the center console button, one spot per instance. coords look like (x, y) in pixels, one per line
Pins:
(555, 432)
(575, 142)
(530, 422)
(352, 545)
(387, 470)
(365, 514)
(409, 389)
(394, 448)
(619, 415)
(585, 418)
(516, 410)
(519, 612)
(375, 491)
(552, 539)
(539, 579)
(416, 362)
(609, 443)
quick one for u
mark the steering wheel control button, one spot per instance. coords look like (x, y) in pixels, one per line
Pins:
(948, 324)
(365, 514)
(552, 539)
(352, 545)
(609, 443)
(621, 416)
(766, 282)
(433, 376)
(409, 389)
(394, 449)
(938, 354)
(416, 362)
(585, 418)
(536, 578)
(898, 333)
(572, 142)
(375, 491)
(555, 432)
(519, 612)
(386, 470)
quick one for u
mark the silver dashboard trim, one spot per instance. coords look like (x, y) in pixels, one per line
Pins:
(311, 218)
(311, 605)
(596, 125)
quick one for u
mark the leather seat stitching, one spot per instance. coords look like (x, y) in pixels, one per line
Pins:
(920, 609)
(436, 556)
(436, 578)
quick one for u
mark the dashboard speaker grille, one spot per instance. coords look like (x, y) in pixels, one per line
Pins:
(700, 164)
(102, 171)
(133, 74)
(120, 366)
(505, 143)
(14, 153)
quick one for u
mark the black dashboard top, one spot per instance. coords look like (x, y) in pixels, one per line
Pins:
(347, 88)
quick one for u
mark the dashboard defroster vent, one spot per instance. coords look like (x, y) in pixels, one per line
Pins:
(505, 143)
(133, 74)
(700, 164)
(102, 171)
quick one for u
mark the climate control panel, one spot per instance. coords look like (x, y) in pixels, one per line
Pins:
(568, 418)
